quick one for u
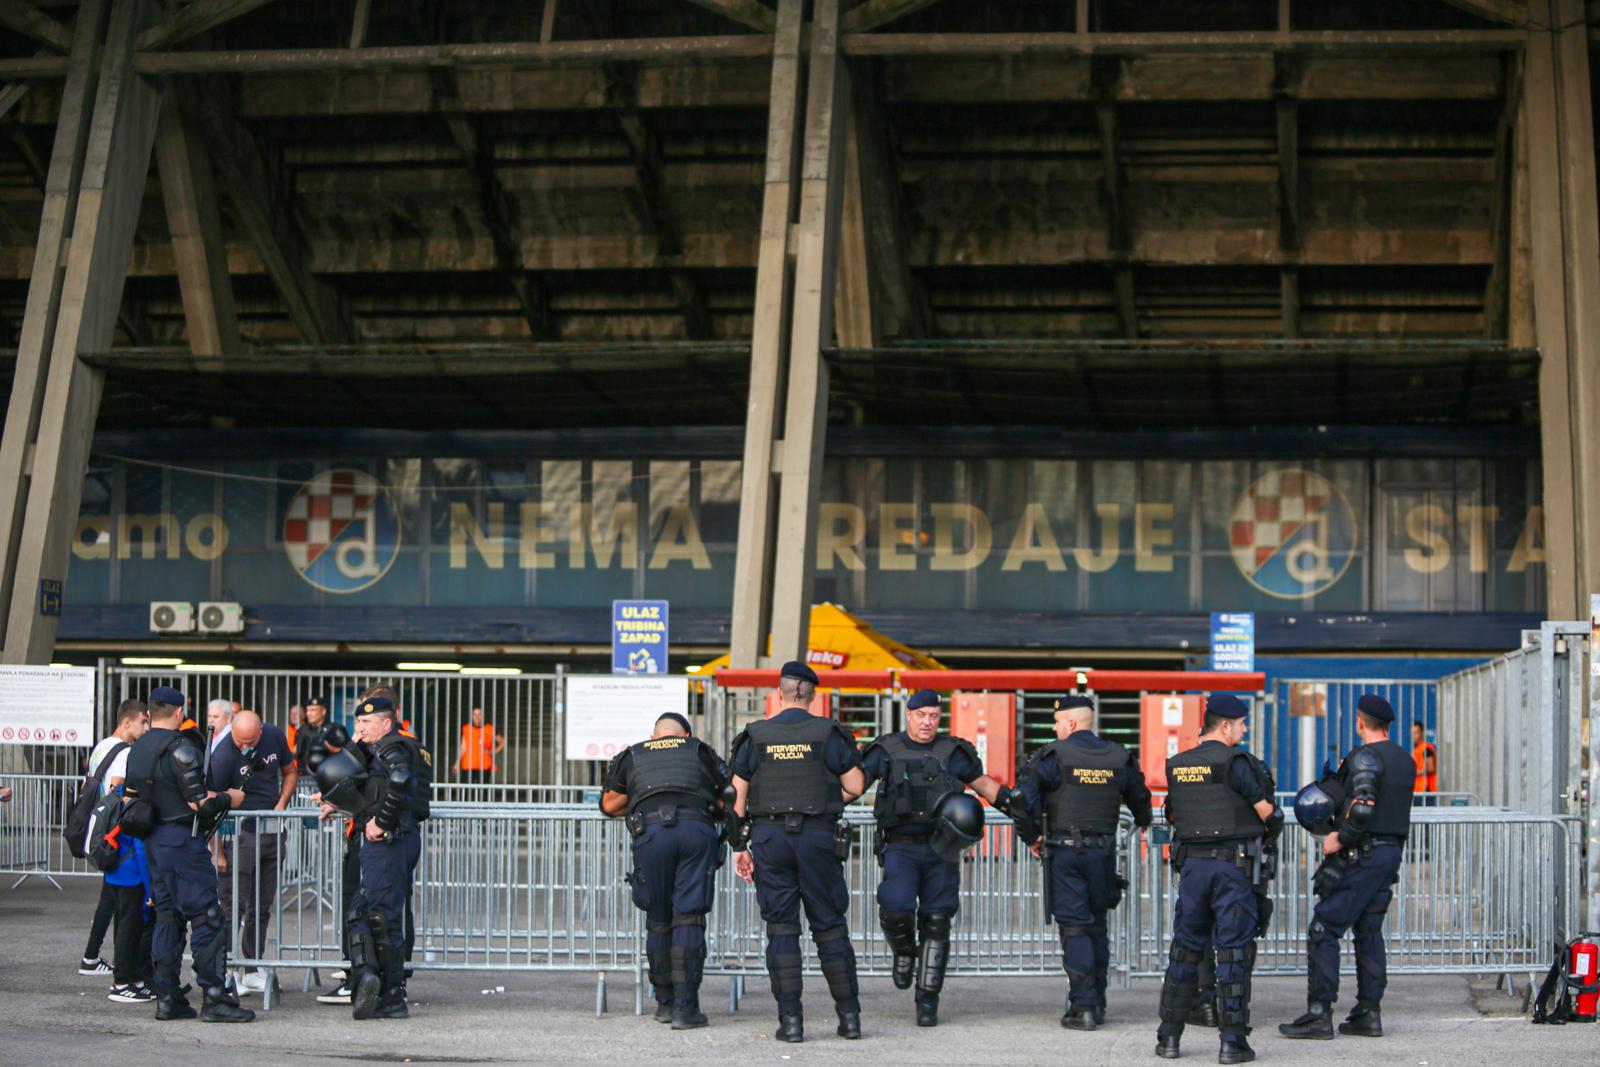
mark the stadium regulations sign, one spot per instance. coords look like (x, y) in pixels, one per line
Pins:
(47, 705)
(638, 637)
(607, 713)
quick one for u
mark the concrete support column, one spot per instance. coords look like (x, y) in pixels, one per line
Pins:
(93, 192)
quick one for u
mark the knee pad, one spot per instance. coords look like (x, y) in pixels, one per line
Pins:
(658, 928)
(1177, 998)
(899, 930)
(1233, 955)
(212, 916)
(1178, 954)
(934, 926)
(830, 935)
(1318, 931)
(776, 930)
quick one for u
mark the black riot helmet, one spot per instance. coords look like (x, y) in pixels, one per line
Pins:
(341, 777)
(1316, 807)
(957, 825)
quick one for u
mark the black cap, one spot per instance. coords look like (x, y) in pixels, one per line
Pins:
(374, 706)
(1374, 706)
(679, 719)
(1067, 703)
(1226, 706)
(165, 694)
(798, 671)
(318, 701)
(922, 698)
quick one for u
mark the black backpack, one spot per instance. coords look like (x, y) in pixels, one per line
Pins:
(104, 848)
(77, 825)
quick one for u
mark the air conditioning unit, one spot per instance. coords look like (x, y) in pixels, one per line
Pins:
(221, 617)
(171, 616)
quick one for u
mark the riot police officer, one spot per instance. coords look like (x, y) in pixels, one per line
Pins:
(671, 789)
(920, 892)
(1362, 861)
(398, 788)
(166, 773)
(1079, 783)
(792, 776)
(1220, 803)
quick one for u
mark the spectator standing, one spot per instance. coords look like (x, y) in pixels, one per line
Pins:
(292, 731)
(129, 884)
(219, 720)
(119, 740)
(269, 787)
(479, 746)
(1426, 758)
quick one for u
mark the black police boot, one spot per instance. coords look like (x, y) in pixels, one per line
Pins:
(392, 1005)
(1314, 1025)
(174, 1006)
(221, 1006)
(686, 1013)
(1365, 1021)
(663, 1011)
(366, 986)
(791, 1027)
(1203, 1014)
(1079, 1017)
(927, 1009)
(899, 931)
(1167, 1047)
(849, 1024)
(1237, 1050)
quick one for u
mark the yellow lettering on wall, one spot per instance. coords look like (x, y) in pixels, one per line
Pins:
(680, 540)
(100, 547)
(1423, 526)
(896, 527)
(464, 528)
(200, 545)
(623, 530)
(1147, 537)
(147, 526)
(538, 529)
(945, 519)
(1479, 523)
(843, 544)
(1035, 542)
(1530, 543)
(1101, 560)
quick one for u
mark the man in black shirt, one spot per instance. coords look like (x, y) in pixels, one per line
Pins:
(254, 757)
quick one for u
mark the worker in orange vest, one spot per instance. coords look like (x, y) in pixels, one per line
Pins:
(1427, 761)
(479, 746)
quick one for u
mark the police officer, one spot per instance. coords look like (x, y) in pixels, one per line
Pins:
(792, 776)
(1079, 783)
(398, 787)
(1362, 860)
(671, 789)
(166, 770)
(921, 889)
(1220, 802)
(311, 740)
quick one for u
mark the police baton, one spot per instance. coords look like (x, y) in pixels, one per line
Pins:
(1045, 852)
(205, 778)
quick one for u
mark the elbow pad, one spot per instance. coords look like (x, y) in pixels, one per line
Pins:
(190, 773)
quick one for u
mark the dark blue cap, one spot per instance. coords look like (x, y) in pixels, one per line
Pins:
(165, 694)
(1067, 703)
(1374, 706)
(798, 671)
(1226, 706)
(374, 706)
(318, 701)
(922, 698)
(679, 719)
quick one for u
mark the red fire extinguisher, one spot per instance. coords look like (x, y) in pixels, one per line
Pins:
(1583, 977)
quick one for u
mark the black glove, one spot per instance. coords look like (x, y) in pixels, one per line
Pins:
(216, 805)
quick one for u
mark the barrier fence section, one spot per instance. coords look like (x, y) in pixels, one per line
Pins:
(1307, 722)
(1511, 730)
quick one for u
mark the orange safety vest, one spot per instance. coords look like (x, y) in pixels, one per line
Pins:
(1425, 783)
(477, 747)
(291, 732)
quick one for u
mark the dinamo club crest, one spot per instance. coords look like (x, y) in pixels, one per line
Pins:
(1293, 534)
(341, 531)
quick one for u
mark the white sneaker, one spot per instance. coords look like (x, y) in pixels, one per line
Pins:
(93, 967)
(339, 976)
(130, 994)
(250, 982)
(338, 996)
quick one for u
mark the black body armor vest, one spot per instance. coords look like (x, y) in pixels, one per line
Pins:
(914, 778)
(1090, 797)
(1205, 806)
(1391, 814)
(670, 765)
(791, 777)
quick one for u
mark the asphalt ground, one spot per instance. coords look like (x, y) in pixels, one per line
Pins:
(50, 1015)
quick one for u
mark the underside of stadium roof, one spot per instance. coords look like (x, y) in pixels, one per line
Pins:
(548, 213)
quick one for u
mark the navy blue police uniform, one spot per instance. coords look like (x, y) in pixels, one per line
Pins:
(674, 786)
(1220, 844)
(166, 770)
(399, 787)
(1077, 787)
(793, 762)
(1354, 886)
(920, 891)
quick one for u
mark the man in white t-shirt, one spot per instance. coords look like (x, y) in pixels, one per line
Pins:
(122, 891)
